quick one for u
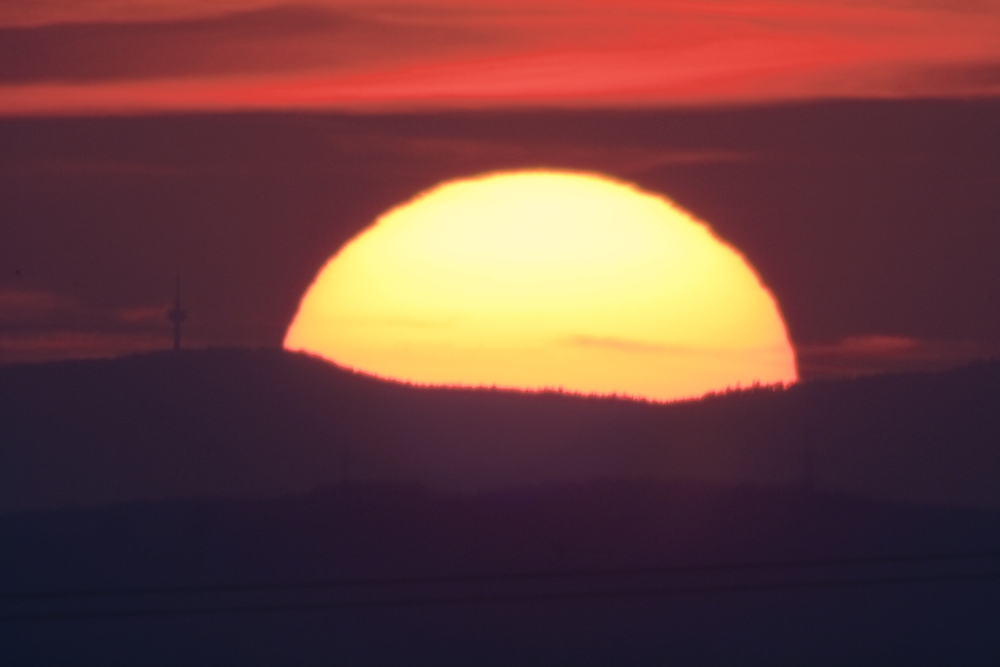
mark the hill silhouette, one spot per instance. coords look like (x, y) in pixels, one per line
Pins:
(262, 507)
(246, 423)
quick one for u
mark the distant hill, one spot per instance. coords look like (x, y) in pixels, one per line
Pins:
(248, 423)
(239, 507)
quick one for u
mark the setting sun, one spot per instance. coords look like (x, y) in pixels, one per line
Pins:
(545, 280)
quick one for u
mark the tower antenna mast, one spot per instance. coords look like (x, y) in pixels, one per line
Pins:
(177, 315)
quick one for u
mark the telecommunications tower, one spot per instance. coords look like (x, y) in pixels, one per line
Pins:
(177, 315)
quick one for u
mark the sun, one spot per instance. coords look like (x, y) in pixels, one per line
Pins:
(545, 280)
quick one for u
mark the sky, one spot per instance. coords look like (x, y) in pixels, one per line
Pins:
(848, 149)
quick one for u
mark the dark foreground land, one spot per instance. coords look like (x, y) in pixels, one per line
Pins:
(595, 573)
(262, 508)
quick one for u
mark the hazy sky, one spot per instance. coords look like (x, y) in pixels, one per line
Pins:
(875, 221)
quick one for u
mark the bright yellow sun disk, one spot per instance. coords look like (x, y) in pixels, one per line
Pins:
(544, 279)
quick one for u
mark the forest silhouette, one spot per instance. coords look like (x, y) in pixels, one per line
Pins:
(232, 422)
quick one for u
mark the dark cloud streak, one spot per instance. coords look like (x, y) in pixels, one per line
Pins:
(278, 39)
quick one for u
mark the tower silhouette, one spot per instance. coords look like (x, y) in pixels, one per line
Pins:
(177, 315)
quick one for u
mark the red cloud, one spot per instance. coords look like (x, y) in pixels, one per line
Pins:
(58, 345)
(40, 326)
(431, 54)
(868, 355)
